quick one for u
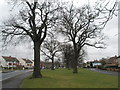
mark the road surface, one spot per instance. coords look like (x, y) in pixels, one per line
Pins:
(105, 71)
(14, 79)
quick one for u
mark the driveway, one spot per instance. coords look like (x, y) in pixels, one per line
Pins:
(15, 79)
(105, 71)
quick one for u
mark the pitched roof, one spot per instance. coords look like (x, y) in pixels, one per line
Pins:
(9, 58)
(27, 60)
(112, 59)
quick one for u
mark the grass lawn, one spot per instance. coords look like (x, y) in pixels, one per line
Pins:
(63, 78)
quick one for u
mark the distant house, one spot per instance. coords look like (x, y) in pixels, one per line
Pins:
(22, 62)
(9, 62)
(3, 62)
(118, 61)
(44, 65)
(95, 64)
(112, 60)
(88, 64)
(26, 63)
(48, 65)
(32, 63)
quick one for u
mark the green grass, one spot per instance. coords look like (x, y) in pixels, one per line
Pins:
(63, 78)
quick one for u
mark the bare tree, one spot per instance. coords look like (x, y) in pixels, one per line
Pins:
(68, 55)
(67, 51)
(82, 55)
(32, 22)
(50, 48)
(83, 25)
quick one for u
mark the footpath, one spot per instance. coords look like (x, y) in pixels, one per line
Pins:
(114, 73)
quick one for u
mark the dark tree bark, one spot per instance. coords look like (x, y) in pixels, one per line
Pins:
(52, 68)
(75, 70)
(36, 72)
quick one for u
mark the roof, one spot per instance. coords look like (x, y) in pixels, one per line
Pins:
(27, 60)
(112, 59)
(9, 58)
(118, 60)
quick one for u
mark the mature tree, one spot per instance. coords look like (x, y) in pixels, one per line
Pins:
(50, 48)
(68, 55)
(32, 22)
(67, 51)
(83, 25)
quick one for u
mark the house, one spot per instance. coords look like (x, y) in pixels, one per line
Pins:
(9, 62)
(22, 62)
(26, 63)
(112, 60)
(96, 64)
(46, 65)
(3, 62)
(88, 64)
(112, 63)
(118, 61)
(32, 63)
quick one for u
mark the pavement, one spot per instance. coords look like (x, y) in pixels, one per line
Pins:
(7, 71)
(8, 75)
(14, 79)
(105, 71)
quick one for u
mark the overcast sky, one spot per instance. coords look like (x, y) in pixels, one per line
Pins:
(25, 50)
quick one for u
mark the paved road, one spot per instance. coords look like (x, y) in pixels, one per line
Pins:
(12, 74)
(14, 79)
(105, 72)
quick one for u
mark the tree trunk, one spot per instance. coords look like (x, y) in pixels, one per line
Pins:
(68, 65)
(75, 67)
(52, 68)
(37, 71)
(75, 63)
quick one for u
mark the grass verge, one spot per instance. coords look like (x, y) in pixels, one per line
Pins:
(63, 78)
